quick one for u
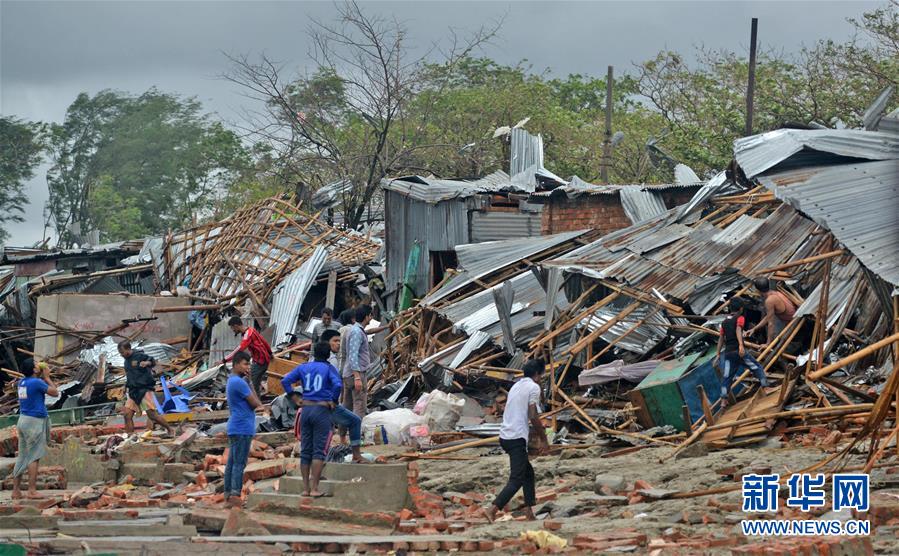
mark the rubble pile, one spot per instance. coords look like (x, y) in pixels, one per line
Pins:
(648, 446)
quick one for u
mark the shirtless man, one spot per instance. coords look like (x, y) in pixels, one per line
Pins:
(779, 310)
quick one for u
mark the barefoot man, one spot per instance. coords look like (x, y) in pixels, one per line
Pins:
(33, 427)
(522, 409)
(321, 388)
(139, 385)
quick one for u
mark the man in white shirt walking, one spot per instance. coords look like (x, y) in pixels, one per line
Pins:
(522, 409)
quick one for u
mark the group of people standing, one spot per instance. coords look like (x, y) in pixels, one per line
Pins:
(340, 357)
(333, 392)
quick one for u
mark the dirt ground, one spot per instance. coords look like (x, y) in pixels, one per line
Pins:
(714, 516)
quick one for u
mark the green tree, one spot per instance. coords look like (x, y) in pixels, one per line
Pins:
(20, 152)
(703, 104)
(155, 160)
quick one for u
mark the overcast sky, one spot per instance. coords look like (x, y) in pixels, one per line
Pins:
(51, 51)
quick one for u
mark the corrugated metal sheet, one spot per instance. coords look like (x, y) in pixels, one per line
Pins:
(803, 147)
(738, 230)
(843, 281)
(495, 226)
(872, 115)
(478, 312)
(640, 204)
(437, 227)
(477, 260)
(889, 123)
(715, 186)
(289, 295)
(578, 187)
(642, 339)
(684, 175)
(858, 203)
(435, 190)
(222, 342)
(695, 268)
(526, 158)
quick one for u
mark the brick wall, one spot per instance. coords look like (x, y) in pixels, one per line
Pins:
(678, 196)
(598, 212)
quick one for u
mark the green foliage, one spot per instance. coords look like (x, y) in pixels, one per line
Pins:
(20, 153)
(832, 84)
(153, 161)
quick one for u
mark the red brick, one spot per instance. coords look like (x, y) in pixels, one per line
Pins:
(552, 525)
(261, 470)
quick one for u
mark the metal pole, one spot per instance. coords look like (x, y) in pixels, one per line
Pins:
(607, 143)
(750, 87)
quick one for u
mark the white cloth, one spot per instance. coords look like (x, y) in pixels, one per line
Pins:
(523, 393)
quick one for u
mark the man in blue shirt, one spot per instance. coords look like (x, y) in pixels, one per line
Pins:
(341, 416)
(321, 387)
(242, 403)
(33, 428)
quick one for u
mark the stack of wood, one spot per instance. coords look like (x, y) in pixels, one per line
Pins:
(248, 254)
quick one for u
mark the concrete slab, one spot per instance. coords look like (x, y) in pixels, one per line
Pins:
(358, 487)
(212, 521)
(294, 504)
(135, 527)
(28, 522)
(81, 465)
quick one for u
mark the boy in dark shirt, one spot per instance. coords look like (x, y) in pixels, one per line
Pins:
(736, 357)
(139, 385)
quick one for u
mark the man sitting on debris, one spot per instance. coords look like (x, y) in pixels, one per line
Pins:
(33, 427)
(735, 355)
(139, 385)
(321, 388)
(779, 310)
(522, 409)
(253, 342)
(343, 417)
(242, 404)
(356, 362)
(327, 323)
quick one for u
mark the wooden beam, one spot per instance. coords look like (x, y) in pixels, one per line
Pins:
(858, 355)
(807, 260)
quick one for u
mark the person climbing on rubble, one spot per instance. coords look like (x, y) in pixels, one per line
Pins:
(242, 405)
(356, 361)
(736, 357)
(139, 385)
(522, 411)
(343, 417)
(779, 310)
(321, 388)
(251, 341)
(33, 427)
(327, 323)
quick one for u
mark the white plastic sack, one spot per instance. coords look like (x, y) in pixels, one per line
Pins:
(443, 411)
(422, 404)
(395, 423)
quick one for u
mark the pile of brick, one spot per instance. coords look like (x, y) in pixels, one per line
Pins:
(806, 546)
(48, 478)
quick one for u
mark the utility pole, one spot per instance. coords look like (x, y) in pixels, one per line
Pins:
(750, 87)
(607, 143)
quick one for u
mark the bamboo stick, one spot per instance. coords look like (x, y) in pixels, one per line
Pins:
(807, 260)
(813, 411)
(860, 354)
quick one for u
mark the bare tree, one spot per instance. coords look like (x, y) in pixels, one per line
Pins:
(347, 120)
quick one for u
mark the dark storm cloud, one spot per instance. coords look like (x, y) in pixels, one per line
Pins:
(51, 51)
